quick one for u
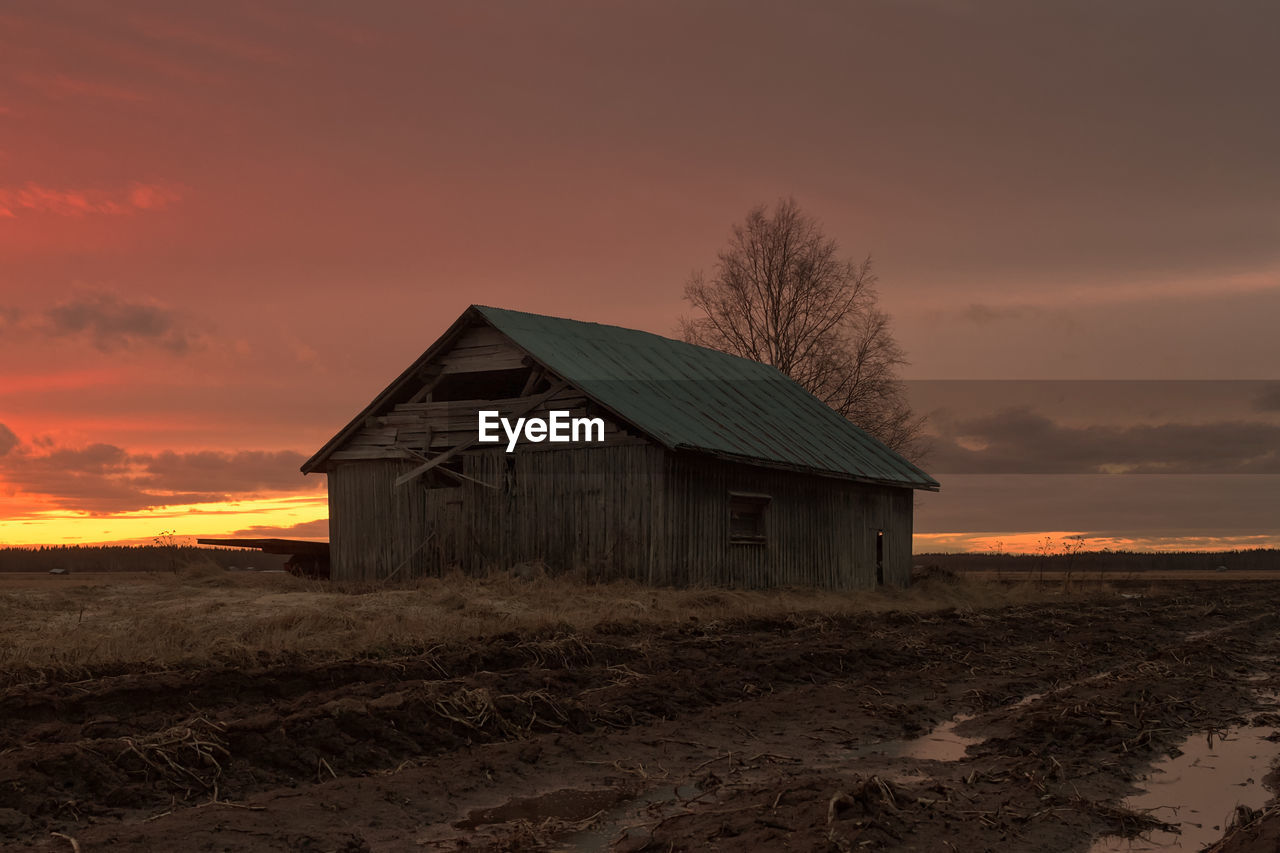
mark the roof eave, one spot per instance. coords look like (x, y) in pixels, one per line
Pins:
(316, 463)
(931, 486)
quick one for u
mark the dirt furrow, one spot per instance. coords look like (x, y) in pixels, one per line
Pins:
(787, 711)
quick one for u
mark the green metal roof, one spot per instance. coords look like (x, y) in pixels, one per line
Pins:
(690, 397)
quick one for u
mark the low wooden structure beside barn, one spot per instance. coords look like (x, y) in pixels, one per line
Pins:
(307, 558)
(712, 469)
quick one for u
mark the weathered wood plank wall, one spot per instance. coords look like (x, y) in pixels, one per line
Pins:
(376, 528)
(819, 531)
(587, 508)
(632, 511)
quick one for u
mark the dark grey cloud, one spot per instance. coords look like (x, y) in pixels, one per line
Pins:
(1155, 506)
(9, 319)
(1268, 400)
(110, 322)
(104, 478)
(8, 441)
(241, 471)
(1022, 441)
(983, 314)
(318, 529)
(96, 479)
(1099, 401)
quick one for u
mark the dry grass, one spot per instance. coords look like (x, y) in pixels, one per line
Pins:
(202, 617)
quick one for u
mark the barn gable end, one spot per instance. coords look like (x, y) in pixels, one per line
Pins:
(432, 406)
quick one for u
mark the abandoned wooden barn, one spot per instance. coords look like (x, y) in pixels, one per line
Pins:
(710, 469)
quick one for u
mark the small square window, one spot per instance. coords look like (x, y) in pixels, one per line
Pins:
(746, 518)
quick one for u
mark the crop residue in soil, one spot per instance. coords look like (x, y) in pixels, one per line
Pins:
(941, 743)
(776, 732)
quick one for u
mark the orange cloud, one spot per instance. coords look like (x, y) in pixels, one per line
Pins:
(153, 196)
(71, 202)
(65, 85)
(66, 380)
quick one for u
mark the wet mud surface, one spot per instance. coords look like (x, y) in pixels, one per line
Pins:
(1024, 728)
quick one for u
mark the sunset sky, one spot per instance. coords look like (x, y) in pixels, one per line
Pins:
(225, 226)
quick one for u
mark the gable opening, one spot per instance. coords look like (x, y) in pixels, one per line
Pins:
(481, 385)
(440, 477)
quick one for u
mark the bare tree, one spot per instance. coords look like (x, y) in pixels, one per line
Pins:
(781, 294)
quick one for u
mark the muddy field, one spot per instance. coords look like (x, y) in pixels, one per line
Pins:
(1022, 727)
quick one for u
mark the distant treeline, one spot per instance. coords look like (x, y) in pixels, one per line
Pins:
(1107, 561)
(130, 558)
(152, 558)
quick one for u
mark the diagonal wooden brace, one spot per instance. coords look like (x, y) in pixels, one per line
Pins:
(410, 476)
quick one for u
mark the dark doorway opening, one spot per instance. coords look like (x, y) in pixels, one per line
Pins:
(879, 558)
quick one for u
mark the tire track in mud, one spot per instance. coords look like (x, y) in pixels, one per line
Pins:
(1048, 771)
(127, 747)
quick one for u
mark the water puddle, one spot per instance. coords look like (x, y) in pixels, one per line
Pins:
(940, 744)
(1199, 790)
(1027, 700)
(567, 804)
